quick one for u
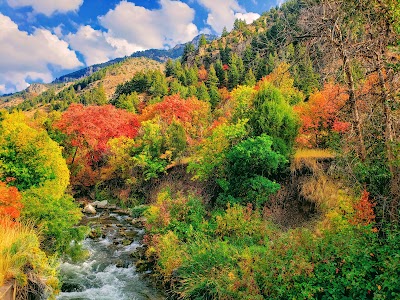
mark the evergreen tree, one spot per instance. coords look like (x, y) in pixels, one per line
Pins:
(169, 68)
(215, 97)
(191, 76)
(202, 93)
(212, 80)
(219, 70)
(250, 79)
(187, 51)
(224, 32)
(202, 41)
(233, 76)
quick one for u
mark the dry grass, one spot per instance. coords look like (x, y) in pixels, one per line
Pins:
(310, 158)
(22, 259)
(17, 242)
(123, 72)
(321, 190)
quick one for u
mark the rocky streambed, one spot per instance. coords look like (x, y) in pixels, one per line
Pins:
(109, 272)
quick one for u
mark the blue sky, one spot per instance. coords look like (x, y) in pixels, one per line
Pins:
(43, 39)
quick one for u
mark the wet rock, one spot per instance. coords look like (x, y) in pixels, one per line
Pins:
(125, 212)
(122, 264)
(89, 209)
(95, 233)
(139, 222)
(71, 287)
(100, 204)
(126, 242)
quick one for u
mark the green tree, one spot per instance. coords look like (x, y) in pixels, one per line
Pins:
(202, 41)
(202, 93)
(248, 166)
(250, 79)
(35, 165)
(127, 102)
(224, 32)
(169, 68)
(175, 139)
(212, 80)
(272, 115)
(233, 76)
(187, 51)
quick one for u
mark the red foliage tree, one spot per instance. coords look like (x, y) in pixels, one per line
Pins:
(92, 127)
(364, 211)
(89, 129)
(320, 115)
(10, 202)
(191, 113)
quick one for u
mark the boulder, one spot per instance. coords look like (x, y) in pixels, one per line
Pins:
(100, 204)
(89, 209)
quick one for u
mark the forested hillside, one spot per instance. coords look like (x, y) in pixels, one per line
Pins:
(265, 163)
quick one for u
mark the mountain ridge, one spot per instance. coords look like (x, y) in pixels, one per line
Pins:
(160, 55)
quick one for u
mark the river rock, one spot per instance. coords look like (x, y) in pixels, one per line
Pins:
(139, 222)
(100, 204)
(89, 209)
(126, 242)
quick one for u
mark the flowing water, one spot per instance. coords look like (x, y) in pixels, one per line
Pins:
(109, 272)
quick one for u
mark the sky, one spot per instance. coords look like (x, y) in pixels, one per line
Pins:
(41, 40)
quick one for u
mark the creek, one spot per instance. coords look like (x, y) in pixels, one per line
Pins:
(109, 272)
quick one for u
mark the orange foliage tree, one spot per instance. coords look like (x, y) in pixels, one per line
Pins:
(192, 114)
(10, 202)
(202, 74)
(364, 211)
(88, 130)
(320, 115)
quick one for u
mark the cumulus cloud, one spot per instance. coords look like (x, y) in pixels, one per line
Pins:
(48, 7)
(97, 46)
(247, 17)
(222, 13)
(171, 24)
(130, 28)
(25, 57)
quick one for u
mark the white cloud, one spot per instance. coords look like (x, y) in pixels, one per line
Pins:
(222, 13)
(48, 7)
(247, 17)
(25, 57)
(130, 28)
(97, 46)
(167, 26)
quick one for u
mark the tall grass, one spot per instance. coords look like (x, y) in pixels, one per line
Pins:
(310, 159)
(21, 257)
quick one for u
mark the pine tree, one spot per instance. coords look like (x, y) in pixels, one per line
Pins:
(202, 41)
(169, 68)
(224, 32)
(187, 51)
(202, 93)
(212, 80)
(250, 79)
(233, 76)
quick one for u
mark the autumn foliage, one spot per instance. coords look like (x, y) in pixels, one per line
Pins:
(92, 127)
(321, 114)
(364, 211)
(192, 114)
(10, 202)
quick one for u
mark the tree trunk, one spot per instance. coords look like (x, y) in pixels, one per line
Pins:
(389, 140)
(354, 107)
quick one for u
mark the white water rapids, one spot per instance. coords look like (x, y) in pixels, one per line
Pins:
(109, 272)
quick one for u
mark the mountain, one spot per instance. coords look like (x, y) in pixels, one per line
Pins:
(106, 79)
(160, 55)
